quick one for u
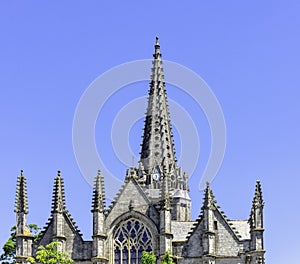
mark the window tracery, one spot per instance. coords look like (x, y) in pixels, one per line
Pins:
(131, 238)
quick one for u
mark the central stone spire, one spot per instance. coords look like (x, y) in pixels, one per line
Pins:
(158, 145)
(158, 173)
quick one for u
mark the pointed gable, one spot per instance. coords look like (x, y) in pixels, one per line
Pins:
(152, 209)
(60, 225)
(59, 207)
(69, 226)
(228, 235)
(130, 197)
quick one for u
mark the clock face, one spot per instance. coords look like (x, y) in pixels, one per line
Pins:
(155, 176)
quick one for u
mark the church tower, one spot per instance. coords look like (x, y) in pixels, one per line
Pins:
(158, 147)
(151, 211)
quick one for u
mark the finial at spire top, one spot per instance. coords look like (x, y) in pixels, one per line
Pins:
(22, 173)
(99, 172)
(156, 42)
(157, 53)
(58, 173)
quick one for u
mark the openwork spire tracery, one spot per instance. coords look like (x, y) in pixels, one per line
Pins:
(158, 141)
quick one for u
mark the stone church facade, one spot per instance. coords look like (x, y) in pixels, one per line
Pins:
(152, 210)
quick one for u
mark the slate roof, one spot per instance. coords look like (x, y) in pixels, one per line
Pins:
(181, 229)
(242, 227)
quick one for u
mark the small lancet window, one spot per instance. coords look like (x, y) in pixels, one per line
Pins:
(216, 225)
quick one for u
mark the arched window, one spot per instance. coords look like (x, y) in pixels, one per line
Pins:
(130, 239)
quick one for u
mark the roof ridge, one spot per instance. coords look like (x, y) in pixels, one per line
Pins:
(210, 202)
(58, 206)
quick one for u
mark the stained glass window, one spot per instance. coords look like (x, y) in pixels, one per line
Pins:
(130, 239)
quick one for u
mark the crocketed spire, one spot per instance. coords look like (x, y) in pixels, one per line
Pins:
(258, 198)
(158, 138)
(209, 198)
(58, 197)
(257, 208)
(21, 203)
(98, 204)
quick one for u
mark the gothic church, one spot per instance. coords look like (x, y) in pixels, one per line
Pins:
(152, 210)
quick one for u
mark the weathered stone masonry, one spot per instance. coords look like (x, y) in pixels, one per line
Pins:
(151, 211)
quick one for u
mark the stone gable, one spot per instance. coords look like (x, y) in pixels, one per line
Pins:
(151, 211)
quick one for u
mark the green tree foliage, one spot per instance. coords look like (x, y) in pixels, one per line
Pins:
(9, 248)
(50, 255)
(148, 258)
(167, 259)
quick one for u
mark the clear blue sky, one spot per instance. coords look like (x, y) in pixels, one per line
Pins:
(248, 53)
